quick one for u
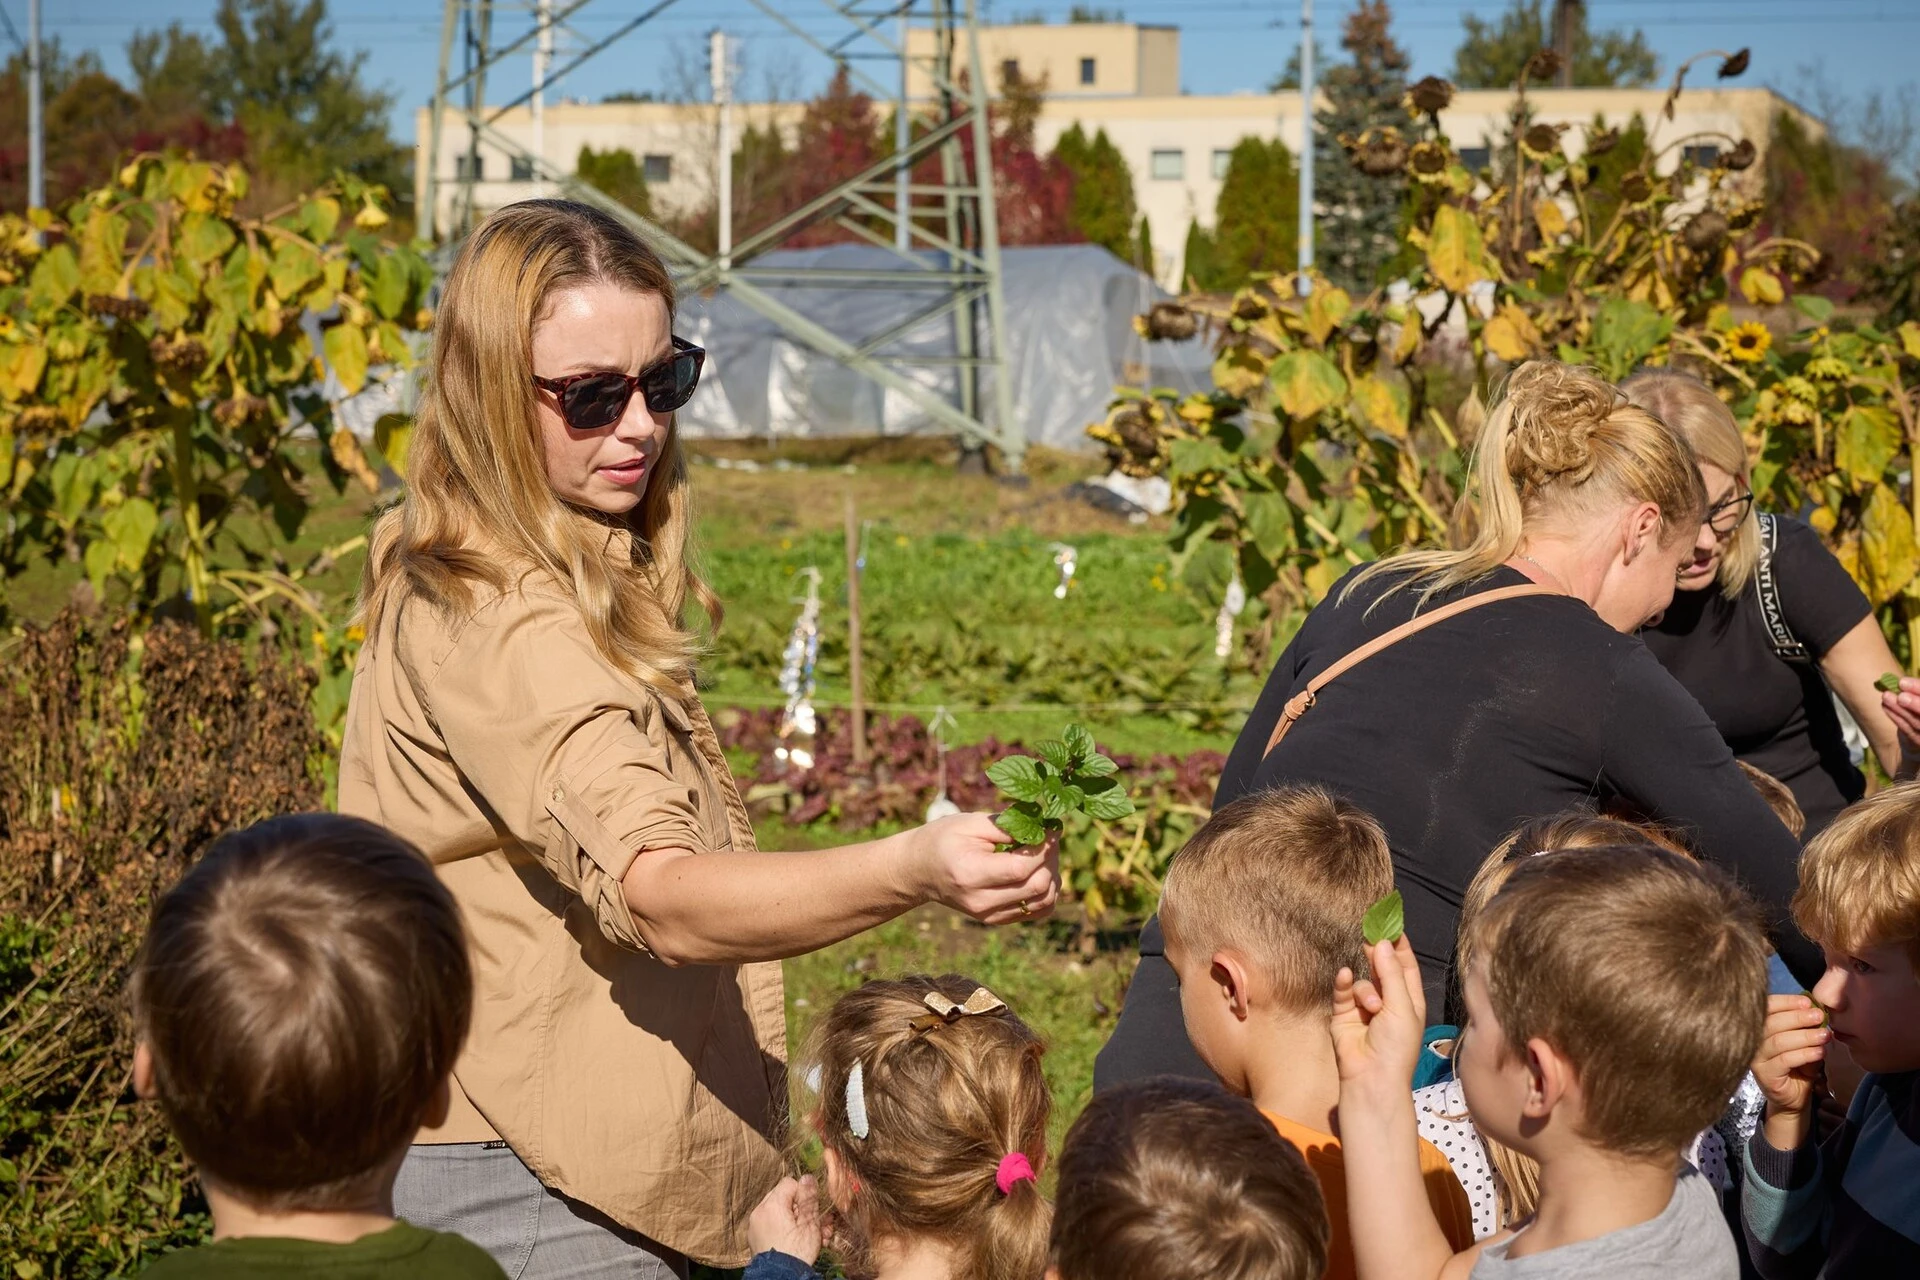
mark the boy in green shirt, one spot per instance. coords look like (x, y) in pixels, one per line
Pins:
(298, 1004)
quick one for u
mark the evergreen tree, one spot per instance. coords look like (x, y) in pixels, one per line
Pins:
(1102, 209)
(1492, 53)
(615, 172)
(1143, 248)
(1255, 221)
(1358, 215)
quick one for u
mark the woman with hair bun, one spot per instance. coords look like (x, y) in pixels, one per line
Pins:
(1455, 694)
(1767, 628)
(524, 711)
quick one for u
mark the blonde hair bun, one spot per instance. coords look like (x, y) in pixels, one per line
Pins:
(1555, 411)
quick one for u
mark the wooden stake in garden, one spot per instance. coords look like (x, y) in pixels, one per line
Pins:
(854, 674)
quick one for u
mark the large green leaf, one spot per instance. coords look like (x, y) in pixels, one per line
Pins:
(1625, 333)
(388, 289)
(203, 238)
(1269, 521)
(1019, 777)
(346, 347)
(1193, 457)
(1867, 439)
(1456, 254)
(130, 526)
(1306, 382)
(54, 278)
(72, 479)
(295, 266)
(1382, 404)
(1107, 800)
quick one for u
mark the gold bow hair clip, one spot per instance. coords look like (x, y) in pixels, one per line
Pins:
(946, 1011)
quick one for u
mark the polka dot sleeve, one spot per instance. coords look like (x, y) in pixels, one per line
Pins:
(1442, 1112)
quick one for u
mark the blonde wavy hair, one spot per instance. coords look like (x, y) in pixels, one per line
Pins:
(479, 507)
(1690, 407)
(946, 1102)
(1560, 444)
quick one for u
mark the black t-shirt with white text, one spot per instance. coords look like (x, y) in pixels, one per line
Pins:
(1775, 715)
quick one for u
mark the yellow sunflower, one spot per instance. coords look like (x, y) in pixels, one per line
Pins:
(1749, 341)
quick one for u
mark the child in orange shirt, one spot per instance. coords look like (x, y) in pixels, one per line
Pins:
(1262, 909)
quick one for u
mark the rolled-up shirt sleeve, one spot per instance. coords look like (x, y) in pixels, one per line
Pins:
(568, 756)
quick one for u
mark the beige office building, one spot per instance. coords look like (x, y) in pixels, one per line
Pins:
(1120, 77)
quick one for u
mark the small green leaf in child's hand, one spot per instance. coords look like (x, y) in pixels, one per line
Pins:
(1826, 1018)
(1888, 683)
(1385, 920)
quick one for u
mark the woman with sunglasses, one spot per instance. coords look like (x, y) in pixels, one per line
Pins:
(524, 711)
(1771, 689)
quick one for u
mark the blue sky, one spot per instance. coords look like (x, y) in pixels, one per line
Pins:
(1859, 46)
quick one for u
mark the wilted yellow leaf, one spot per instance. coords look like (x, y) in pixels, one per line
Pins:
(1547, 215)
(346, 348)
(1910, 339)
(1512, 335)
(1761, 287)
(1305, 382)
(1326, 307)
(1455, 251)
(352, 459)
(1383, 404)
(1406, 344)
(1889, 555)
(391, 436)
(371, 217)
(1238, 372)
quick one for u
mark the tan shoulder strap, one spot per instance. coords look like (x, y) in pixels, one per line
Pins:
(1298, 704)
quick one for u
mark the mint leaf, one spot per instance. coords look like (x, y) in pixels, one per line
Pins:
(1106, 800)
(1079, 743)
(1055, 803)
(1097, 766)
(1022, 825)
(1888, 683)
(1019, 777)
(1055, 753)
(1385, 920)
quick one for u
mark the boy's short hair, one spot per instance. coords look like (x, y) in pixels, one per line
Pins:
(1779, 797)
(1177, 1177)
(303, 992)
(1860, 878)
(1283, 877)
(1645, 969)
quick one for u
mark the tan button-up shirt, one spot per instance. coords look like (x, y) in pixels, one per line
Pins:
(532, 772)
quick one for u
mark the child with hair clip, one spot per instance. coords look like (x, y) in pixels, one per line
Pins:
(932, 1118)
(1503, 1186)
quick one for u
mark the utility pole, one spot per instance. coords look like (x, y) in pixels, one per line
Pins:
(902, 173)
(36, 118)
(1305, 286)
(720, 72)
(542, 59)
(1569, 16)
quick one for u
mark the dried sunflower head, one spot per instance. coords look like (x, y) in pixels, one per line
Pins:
(1636, 188)
(1705, 232)
(1541, 141)
(1601, 141)
(1799, 388)
(1171, 322)
(1544, 65)
(1748, 342)
(1736, 65)
(1428, 161)
(1741, 157)
(1431, 95)
(1378, 153)
(1827, 369)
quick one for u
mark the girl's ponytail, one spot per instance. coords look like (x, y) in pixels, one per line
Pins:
(1012, 1244)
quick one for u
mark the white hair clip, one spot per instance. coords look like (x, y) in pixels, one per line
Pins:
(857, 1101)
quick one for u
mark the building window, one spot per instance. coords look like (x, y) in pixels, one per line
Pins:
(1169, 165)
(521, 169)
(465, 167)
(1010, 71)
(1086, 71)
(1476, 158)
(1222, 158)
(1706, 155)
(657, 169)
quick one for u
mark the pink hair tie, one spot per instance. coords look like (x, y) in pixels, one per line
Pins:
(1014, 1167)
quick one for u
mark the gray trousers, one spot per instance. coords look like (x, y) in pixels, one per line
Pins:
(482, 1191)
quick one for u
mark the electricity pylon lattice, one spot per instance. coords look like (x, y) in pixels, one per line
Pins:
(943, 236)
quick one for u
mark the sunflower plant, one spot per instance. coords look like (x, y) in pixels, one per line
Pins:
(1323, 444)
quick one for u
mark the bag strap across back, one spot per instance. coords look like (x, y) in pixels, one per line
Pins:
(1299, 704)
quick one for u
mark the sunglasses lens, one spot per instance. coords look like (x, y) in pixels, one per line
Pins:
(592, 403)
(669, 385)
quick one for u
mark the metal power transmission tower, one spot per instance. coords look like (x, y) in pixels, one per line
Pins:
(942, 236)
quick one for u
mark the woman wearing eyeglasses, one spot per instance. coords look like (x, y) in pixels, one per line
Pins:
(1766, 627)
(524, 711)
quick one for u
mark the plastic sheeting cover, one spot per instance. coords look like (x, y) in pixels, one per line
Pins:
(1070, 340)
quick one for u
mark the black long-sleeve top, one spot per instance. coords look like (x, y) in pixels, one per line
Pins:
(1459, 734)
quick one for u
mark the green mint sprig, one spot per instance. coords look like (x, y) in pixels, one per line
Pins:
(1385, 920)
(1888, 683)
(1069, 777)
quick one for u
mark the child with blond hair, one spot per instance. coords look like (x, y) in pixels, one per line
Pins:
(297, 1005)
(1176, 1177)
(1262, 909)
(1844, 1207)
(932, 1119)
(1614, 996)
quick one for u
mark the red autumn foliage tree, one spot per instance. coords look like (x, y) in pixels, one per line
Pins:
(1034, 193)
(838, 137)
